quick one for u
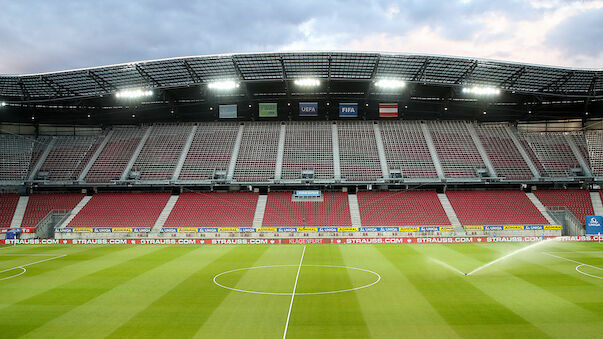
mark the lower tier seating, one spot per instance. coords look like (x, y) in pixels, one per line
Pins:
(405, 208)
(121, 210)
(281, 211)
(8, 204)
(213, 210)
(576, 201)
(39, 205)
(495, 207)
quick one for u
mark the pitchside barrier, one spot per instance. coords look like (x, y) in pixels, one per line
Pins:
(383, 240)
(307, 229)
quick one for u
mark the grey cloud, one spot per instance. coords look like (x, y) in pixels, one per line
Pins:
(579, 35)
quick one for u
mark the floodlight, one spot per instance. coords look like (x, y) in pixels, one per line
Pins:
(134, 93)
(390, 83)
(3, 104)
(307, 82)
(223, 85)
(478, 90)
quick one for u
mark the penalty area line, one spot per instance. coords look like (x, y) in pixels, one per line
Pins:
(293, 293)
(580, 264)
(23, 269)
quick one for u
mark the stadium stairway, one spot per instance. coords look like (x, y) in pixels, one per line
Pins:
(454, 220)
(19, 212)
(258, 216)
(76, 210)
(165, 213)
(354, 210)
(540, 208)
(595, 197)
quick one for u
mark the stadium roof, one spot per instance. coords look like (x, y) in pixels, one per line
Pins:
(284, 66)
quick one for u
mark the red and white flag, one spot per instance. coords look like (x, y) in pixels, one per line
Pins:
(388, 110)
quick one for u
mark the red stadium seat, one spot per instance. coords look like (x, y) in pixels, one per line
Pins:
(404, 208)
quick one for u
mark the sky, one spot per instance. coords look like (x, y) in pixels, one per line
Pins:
(51, 35)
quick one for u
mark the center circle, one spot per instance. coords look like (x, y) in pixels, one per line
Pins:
(375, 275)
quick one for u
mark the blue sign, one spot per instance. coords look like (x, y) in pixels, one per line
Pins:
(348, 110)
(327, 229)
(308, 193)
(228, 111)
(594, 224)
(208, 230)
(308, 109)
(287, 229)
(533, 227)
(493, 228)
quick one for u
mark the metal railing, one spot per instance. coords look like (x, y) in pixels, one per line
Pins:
(563, 216)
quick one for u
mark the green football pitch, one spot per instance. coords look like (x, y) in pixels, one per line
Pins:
(314, 291)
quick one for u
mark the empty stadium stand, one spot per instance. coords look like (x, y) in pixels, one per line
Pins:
(406, 149)
(401, 208)
(495, 207)
(161, 151)
(121, 210)
(503, 153)
(15, 156)
(281, 211)
(8, 204)
(68, 156)
(576, 201)
(552, 152)
(258, 152)
(457, 151)
(39, 205)
(210, 150)
(308, 146)
(198, 209)
(114, 158)
(358, 151)
(594, 141)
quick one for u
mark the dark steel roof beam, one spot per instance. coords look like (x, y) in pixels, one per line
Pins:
(104, 84)
(24, 91)
(556, 84)
(191, 72)
(512, 79)
(419, 75)
(57, 88)
(241, 78)
(467, 73)
(146, 76)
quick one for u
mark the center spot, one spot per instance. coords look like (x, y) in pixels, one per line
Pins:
(313, 279)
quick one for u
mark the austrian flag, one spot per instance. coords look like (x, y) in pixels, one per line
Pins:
(388, 110)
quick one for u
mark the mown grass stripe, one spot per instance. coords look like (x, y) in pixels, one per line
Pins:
(330, 315)
(469, 311)
(117, 306)
(62, 299)
(181, 311)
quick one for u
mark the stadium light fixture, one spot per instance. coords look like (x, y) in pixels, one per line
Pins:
(479, 90)
(224, 85)
(134, 93)
(390, 84)
(3, 103)
(307, 82)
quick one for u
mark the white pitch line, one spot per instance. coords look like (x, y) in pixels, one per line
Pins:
(22, 267)
(293, 293)
(580, 264)
(448, 266)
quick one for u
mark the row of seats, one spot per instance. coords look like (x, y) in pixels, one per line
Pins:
(307, 146)
(234, 209)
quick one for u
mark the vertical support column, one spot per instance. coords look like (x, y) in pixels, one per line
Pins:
(278, 168)
(523, 152)
(95, 156)
(184, 153)
(124, 175)
(235, 153)
(335, 145)
(480, 149)
(43, 157)
(381, 151)
(432, 151)
(578, 156)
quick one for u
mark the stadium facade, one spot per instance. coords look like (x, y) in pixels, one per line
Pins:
(377, 136)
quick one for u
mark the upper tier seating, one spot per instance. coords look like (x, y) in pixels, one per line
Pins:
(359, 159)
(594, 140)
(210, 150)
(161, 152)
(403, 208)
(39, 205)
(504, 155)
(232, 209)
(114, 158)
(8, 204)
(577, 201)
(69, 156)
(282, 212)
(15, 156)
(552, 153)
(308, 146)
(258, 152)
(495, 207)
(406, 149)
(457, 151)
(121, 210)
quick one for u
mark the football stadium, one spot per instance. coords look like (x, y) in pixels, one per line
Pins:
(302, 195)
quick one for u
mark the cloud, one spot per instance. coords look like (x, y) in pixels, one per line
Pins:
(40, 35)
